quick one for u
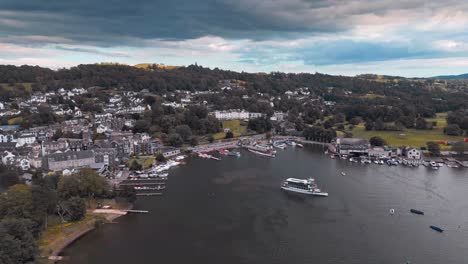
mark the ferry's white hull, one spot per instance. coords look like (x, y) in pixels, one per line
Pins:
(301, 191)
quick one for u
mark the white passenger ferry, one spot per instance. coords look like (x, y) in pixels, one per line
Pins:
(301, 186)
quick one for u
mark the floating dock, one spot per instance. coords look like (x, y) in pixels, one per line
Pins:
(142, 183)
(149, 194)
(137, 211)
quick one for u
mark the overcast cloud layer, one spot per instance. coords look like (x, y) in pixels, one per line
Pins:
(409, 38)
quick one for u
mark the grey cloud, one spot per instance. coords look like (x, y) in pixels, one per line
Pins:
(92, 51)
(117, 22)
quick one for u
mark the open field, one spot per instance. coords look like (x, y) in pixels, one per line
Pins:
(235, 126)
(144, 161)
(410, 137)
(27, 86)
(440, 119)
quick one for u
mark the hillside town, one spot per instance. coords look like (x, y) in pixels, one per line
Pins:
(106, 131)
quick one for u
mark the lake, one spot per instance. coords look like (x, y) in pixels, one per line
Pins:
(233, 211)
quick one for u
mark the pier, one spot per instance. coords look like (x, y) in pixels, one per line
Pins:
(142, 183)
(149, 194)
(137, 211)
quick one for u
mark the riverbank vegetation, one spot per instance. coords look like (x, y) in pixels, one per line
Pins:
(29, 213)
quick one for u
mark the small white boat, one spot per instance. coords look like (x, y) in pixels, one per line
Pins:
(179, 158)
(280, 146)
(392, 211)
(343, 173)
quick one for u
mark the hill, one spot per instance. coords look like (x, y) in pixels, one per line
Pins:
(452, 77)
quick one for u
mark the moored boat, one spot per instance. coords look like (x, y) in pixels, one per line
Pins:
(262, 150)
(234, 153)
(414, 211)
(436, 228)
(279, 145)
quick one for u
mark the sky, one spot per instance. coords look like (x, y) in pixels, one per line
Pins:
(413, 38)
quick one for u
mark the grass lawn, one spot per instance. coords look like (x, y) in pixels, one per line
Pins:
(58, 234)
(144, 161)
(410, 137)
(235, 126)
(27, 86)
(440, 119)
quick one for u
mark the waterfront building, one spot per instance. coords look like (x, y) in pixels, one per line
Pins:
(168, 152)
(413, 153)
(352, 146)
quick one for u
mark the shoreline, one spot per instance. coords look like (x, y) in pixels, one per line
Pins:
(55, 256)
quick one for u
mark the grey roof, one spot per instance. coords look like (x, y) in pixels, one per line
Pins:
(70, 155)
(353, 141)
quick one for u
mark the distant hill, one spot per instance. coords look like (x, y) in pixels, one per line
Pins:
(152, 66)
(452, 77)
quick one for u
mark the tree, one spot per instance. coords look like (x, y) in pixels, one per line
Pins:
(44, 201)
(210, 138)
(229, 134)
(141, 126)
(160, 157)
(8, 176)
(16, 202)
(128, 192)
(460, 147)
(85, 183)
(260, 125)
(193, 141)
(377, 141)
(75, 208)
(184, 131)
(421, 123)
(17, 244)
(369, 125)
(58, 134)
(433, 148)
(134, 165)
(355, 121)
(453, 130)
(175, 140)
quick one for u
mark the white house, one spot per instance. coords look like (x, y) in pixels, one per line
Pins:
(7, 158)
(235, 114)
(6, 138)
(24, 164)
(26, 139)
(413, 154)
(101, 129)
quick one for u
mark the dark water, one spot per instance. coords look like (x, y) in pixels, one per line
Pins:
(233, 211)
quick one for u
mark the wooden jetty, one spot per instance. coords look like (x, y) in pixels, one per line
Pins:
(137, 211)
(461, 164)
(142, 183)
(150, 194)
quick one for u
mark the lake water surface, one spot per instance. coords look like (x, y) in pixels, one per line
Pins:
(233, 211)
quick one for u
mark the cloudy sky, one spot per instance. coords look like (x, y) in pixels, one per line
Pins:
(397, 37)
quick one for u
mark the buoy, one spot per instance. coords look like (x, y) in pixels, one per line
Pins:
(392, 211)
